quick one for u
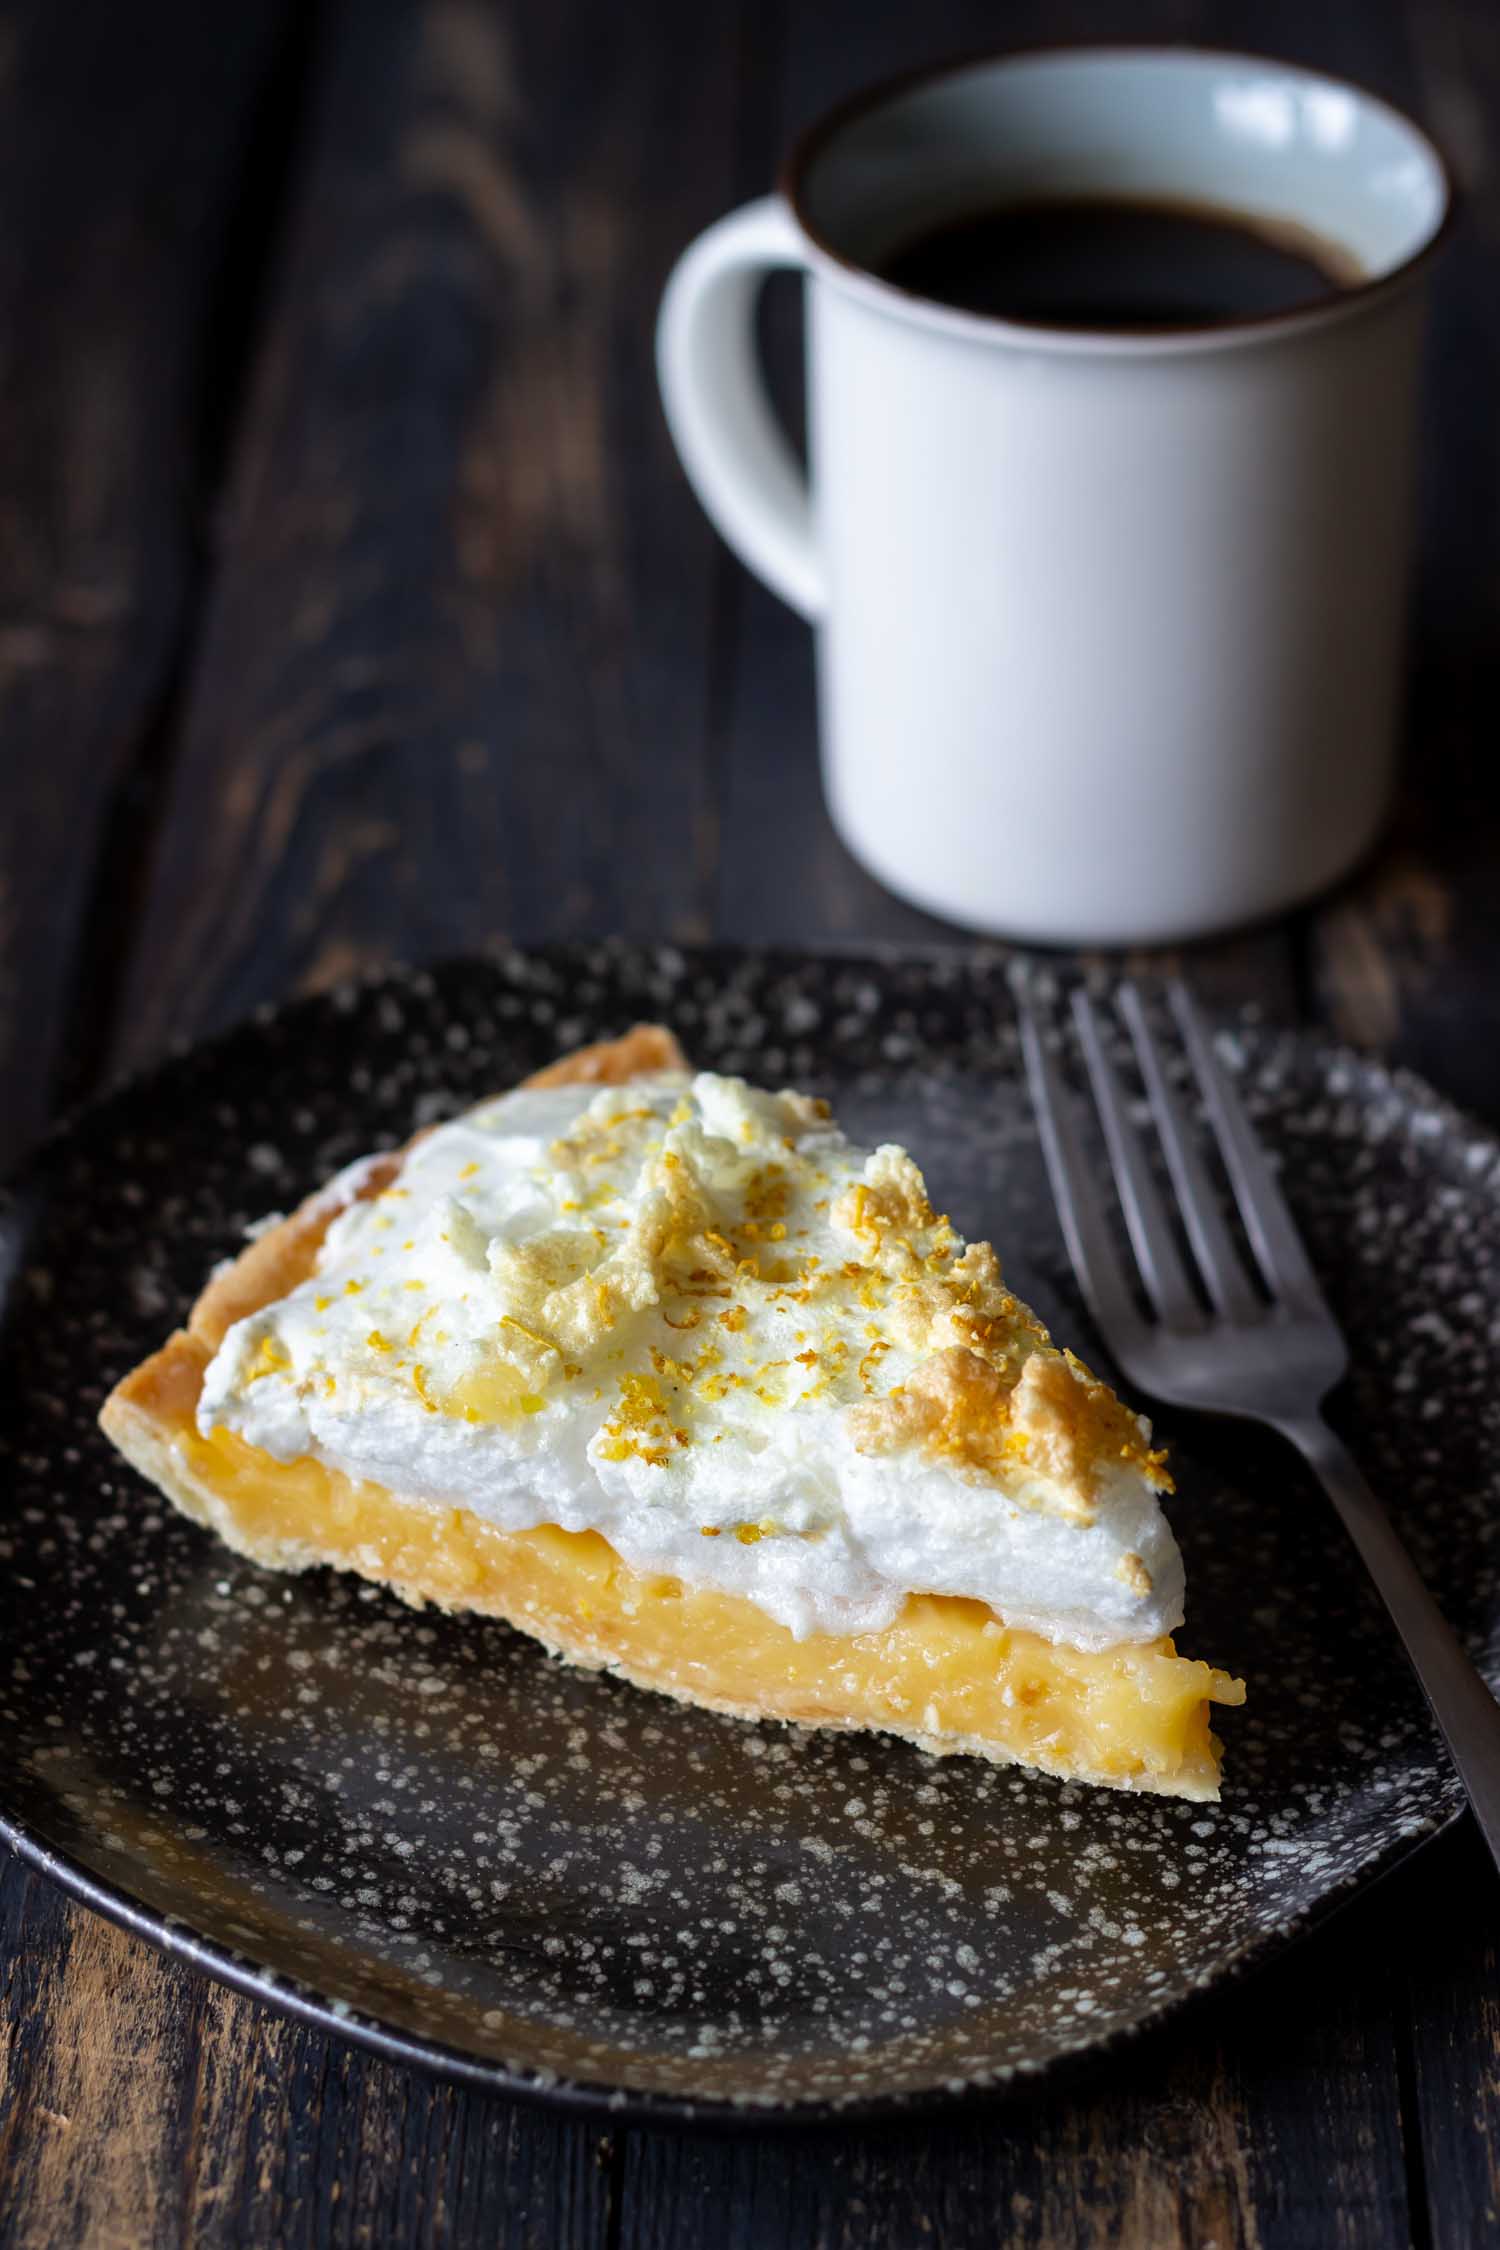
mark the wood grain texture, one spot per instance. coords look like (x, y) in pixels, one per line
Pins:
(468, 659)
(453, 678)
(90, 2125)
(454, 616)
(772, 813)
(142, 2105)
(1451, 1977)
(1408, 957)
(1260, 2134)
(119, 217)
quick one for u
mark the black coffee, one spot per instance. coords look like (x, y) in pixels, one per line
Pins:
(1115, 264)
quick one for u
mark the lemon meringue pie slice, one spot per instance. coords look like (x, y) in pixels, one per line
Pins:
(665, 1371)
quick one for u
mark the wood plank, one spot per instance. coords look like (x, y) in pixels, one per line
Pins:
(1451, 1968)
(310, 832)
(124, 135)
(139, 2103)
(1249, 2126)
(1223, 2151)
(783, 873)
(1408, 957)
(92, 2124)
(301, 2140)
(126, 138)
(454, 674)
(454, 620)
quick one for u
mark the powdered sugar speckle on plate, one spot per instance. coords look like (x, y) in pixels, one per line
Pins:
(424, 1832)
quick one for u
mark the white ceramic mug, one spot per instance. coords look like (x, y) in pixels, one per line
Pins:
(1109, 623)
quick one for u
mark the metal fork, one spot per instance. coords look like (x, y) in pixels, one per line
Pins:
(1219, 1347)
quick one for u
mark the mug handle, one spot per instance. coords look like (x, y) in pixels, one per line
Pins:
(735, 452)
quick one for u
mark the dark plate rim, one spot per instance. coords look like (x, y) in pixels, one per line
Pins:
(585, 2098)
(588, 2098)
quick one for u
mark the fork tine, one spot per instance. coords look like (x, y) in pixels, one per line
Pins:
(1156, 1253)
(1100, 1273)
(1268, 1222)
(1218, 1260)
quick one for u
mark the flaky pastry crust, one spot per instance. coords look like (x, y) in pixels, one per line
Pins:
(151, 1418)
(144, 1411)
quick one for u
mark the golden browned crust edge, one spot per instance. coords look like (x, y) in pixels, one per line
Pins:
(168, 1382)
(135, 1429)
(277, 1260)
(281, 1257)
(645, 1048)
(139, 1413)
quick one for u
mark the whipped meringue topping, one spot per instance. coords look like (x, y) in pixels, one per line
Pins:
(691, 1316)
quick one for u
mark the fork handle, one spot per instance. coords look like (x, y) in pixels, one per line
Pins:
(1463, 1706)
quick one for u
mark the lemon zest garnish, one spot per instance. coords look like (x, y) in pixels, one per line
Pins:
(268, 1359)
(543, 1343)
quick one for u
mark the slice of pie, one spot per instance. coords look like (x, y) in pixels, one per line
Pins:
(666, 1372)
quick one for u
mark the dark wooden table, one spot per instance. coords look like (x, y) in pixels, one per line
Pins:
(351, 605)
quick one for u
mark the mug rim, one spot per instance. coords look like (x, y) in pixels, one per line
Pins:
(911, 304)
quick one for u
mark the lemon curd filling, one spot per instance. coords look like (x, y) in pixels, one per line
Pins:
(947, 1669)
(677, 1380)
(688, 1306)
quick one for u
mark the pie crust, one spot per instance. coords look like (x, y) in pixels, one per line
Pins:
(948, 1674)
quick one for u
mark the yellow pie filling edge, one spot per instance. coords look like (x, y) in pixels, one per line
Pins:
(948, 1674)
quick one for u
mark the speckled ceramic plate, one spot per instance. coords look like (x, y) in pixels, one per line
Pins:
(422, 1831)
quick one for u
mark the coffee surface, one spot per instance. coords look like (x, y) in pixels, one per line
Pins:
(1089, 263)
